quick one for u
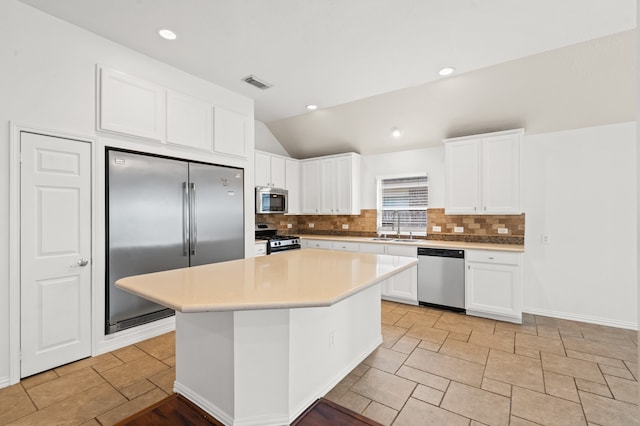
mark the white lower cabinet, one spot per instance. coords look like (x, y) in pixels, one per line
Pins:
(260, 249)
(493, 282)
(402, 287)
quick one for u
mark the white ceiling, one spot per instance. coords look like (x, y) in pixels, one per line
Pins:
(342, 54)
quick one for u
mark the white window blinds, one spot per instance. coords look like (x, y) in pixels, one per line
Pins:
(406, 197)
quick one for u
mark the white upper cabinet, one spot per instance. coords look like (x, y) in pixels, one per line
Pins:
(292, 175)
(189, 121)
(131, 106)
(270, 171)
(331, 185)
(482, 173)
(230, 132)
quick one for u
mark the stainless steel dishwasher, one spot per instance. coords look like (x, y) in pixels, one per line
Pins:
(441, 278)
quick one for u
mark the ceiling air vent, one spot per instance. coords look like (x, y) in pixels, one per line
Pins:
(252, 80)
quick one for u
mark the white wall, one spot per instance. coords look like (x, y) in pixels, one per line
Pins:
(429, 160)
(580, 189)
(265, 141)
(47, 80)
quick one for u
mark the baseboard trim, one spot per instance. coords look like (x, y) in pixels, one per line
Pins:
(134, 335)
(5, 382)
(630, 325)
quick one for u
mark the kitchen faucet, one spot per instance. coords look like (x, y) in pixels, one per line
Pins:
(396, 213)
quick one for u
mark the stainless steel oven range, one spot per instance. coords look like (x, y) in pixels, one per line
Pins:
(276, 243)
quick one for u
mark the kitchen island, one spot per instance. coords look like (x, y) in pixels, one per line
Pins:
(259, 339)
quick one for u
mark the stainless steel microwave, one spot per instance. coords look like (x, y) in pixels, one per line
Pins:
(271, 200)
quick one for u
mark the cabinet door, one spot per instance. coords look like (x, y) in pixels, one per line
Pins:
(501, 174)
(230, 132)
(493, 289)
(189, 121)
(345, 246)
(343, 185)
(327, 186)
(131, 105)
(319, 244)
(262, 169)
(462, 177)
(310, 186)
(292, 184)
(404, 286)
(277, 172)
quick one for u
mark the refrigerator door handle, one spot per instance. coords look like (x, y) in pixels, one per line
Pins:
(185, 219)
(194, 224)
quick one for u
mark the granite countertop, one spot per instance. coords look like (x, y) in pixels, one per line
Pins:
(293, 279)
(422, 243)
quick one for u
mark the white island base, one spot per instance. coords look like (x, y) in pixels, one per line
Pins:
(264, 367)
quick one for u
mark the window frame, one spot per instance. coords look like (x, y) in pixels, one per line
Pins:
(379, 208)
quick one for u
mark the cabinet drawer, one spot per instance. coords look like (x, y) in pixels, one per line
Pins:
(345, 246)
(261, 249)
(495, 257)
(319, 244)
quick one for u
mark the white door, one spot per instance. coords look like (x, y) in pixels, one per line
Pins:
(55, 251)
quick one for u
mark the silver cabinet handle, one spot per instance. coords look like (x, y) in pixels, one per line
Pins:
(194, 224)
(185, 219)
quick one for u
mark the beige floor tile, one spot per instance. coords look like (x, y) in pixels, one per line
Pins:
(384, 388)
(406, 344)
(515, 328)
(623, 373)
(76, 410)
(602, 360)
(528, 352)
(446, 366)
(572, 367)
(607, 411)
(134, 371)
(623, 389)
(427, 333)
(37, 379)
(104, 359)
(459, 336)
(137, 389)
(593, 387)
(493, 341)
(164, 380)
(515, 369)
(386, 359)
(460, 323)
(543, 344)
(430, 346)
(427, 394)
(614, 336)
(54, 391)
(467, 351)
(129, 353)
(495, 386)
(424, 319)
(360, 369)
(416, 412)
(423, 377)
(477, 404)
(342, 387)
(545, 409)
(160, 347)
(627, 353)
(387, 306)
(548, 331)
(517, 421)
(107, 364)
(92, 422)
(380, 413)
(14, 403)
(354, 402)
(633, 367)
(391, 334)
(561, 386)
(171, 361)
(390, 318)
(129, 408)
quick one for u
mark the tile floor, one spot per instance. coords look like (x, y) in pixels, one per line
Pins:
(434, 367)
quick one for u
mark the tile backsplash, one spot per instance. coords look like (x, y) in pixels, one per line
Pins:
(476, 228)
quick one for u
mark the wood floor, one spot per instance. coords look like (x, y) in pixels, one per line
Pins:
(178, 411)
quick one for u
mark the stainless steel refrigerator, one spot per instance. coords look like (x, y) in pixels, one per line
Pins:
(165, 213)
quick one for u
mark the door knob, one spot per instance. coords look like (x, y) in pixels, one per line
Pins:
(83, 262)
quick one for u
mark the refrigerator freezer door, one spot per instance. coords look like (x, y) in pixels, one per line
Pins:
(218, 219)
(146, 227)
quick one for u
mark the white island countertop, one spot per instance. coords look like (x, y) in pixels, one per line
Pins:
(294, 279)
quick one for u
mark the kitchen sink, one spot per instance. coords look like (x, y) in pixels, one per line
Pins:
(395, 240)
(382, 239)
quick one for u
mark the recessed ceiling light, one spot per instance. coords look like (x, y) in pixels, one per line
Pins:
(311, 107)
(446, 71)
(396, 133)
(167, 34)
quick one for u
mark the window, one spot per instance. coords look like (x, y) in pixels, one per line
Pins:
(406, 196)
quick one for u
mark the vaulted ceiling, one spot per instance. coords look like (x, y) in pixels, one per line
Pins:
(371, 65)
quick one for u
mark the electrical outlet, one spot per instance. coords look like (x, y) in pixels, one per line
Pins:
(345, 226)
(458, 229)
(503, 230)
(546, 239)
(436, 228)
(312, 225)
(289, 225)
